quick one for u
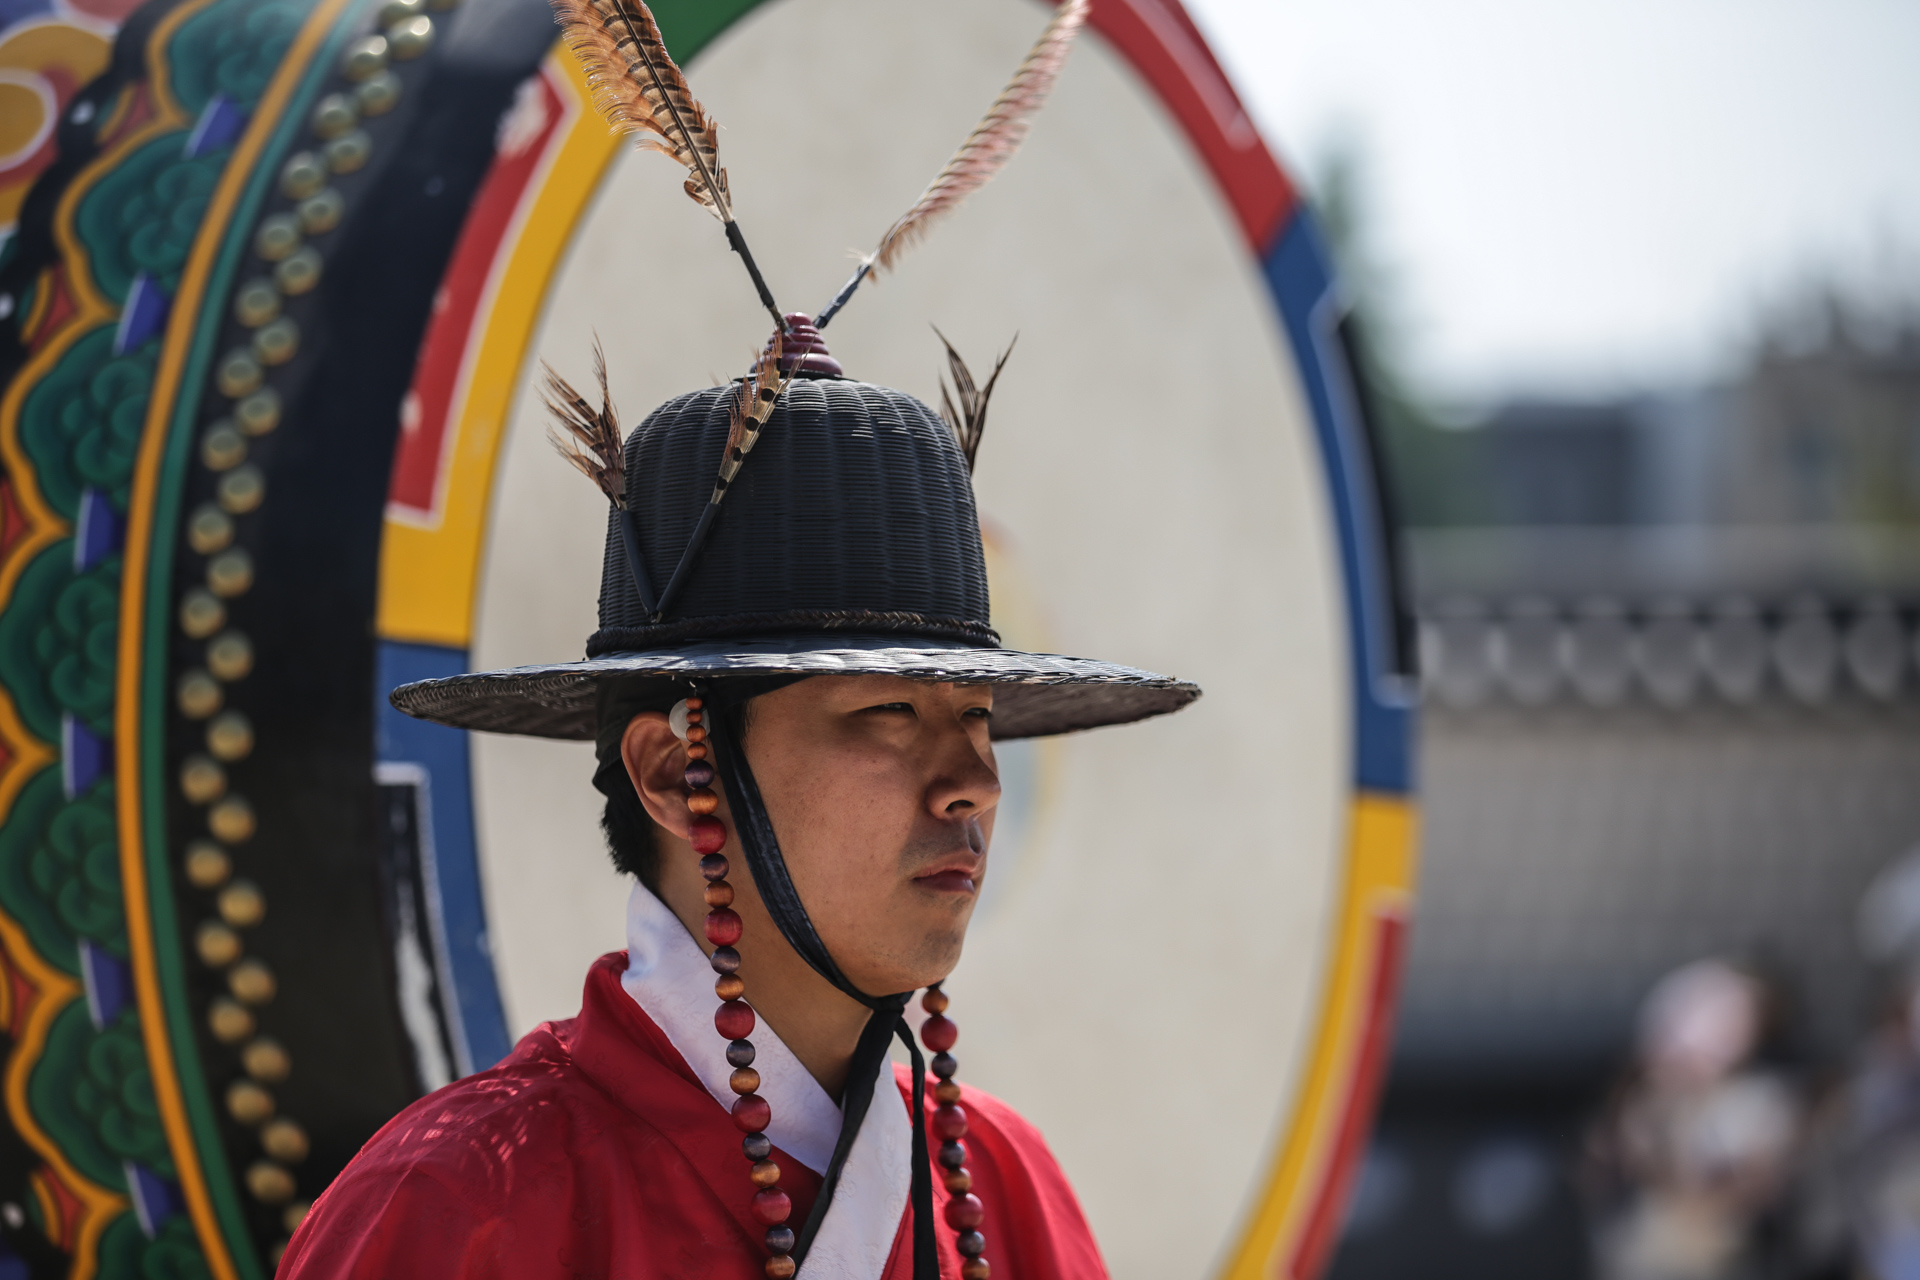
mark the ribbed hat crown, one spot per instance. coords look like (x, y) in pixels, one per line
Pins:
(853, 513)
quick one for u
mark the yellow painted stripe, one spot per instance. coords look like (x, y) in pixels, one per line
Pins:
(429, 575)
(1380, 874)
(187, 305)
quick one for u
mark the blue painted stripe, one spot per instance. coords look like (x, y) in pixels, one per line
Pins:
(448, 835)
(1300, 274)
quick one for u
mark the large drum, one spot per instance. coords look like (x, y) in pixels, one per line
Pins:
(274, 311)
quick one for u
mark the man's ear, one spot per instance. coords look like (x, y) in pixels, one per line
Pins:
(657, 763)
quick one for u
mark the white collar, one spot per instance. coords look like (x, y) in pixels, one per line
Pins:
(669, 978)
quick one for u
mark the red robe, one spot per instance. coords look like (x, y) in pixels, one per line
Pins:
(593, 1150)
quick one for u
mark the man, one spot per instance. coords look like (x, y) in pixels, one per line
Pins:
(794, 668)
(608, 1145)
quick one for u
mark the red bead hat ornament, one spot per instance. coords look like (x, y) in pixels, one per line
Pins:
(964, 1210)
(734, 1018)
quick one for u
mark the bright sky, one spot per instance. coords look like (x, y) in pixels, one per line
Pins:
(1596, 194)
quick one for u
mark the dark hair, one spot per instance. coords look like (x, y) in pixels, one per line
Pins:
(630, 832)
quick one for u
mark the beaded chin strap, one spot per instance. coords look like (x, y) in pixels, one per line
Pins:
(735, 1021)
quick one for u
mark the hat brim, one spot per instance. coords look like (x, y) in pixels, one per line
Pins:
(1037, 694)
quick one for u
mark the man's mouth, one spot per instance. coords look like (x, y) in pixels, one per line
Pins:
(952, 874)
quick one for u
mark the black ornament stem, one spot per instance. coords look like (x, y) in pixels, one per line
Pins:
(739, 245)
(630, 538)
(840, 299)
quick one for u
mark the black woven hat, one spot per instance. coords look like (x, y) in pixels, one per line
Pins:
(847, 545)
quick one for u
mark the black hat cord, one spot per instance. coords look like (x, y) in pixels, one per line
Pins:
(713, 735)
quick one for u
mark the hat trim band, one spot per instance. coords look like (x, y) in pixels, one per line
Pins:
(736, 625)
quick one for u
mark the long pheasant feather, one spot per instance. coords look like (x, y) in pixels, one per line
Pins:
(985, 152)
(994, 140)
(642, 92)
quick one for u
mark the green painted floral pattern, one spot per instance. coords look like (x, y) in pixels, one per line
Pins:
(232, 49)
(60, 869)
(172, 1254)
(58, 641)
(76, 867)
(81, 425)
(94, 1092)
(144, 215)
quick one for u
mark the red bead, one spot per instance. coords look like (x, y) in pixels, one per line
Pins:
(964, 1213)
(707, 835)
(950, 1123)
(752, 1113)
(724, 927)
(772, 1206)
(938, 1033)
(734, 1020)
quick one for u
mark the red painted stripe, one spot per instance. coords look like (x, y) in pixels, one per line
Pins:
(417, 463)
(1166, 48)
(1376, 1037)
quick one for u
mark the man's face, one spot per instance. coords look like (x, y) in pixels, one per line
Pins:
(882, 791)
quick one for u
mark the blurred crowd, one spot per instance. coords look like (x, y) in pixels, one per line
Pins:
(1722, 1155)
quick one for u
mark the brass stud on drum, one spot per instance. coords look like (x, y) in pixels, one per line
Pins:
(302, 175)
(269, 1183)
(229, 1020)
(299, 272)
(201, 613)
(251, 982)
(231, 820)
(256, 303)
(284, 1140)
(248, 1103)
(209, 529)
(223, 447)
(230, 657)
(333, 116)
(379, 94)
(277, 237)
(216, 945)
(202, 781)
(323, 212)
(198, 695)
(207, 865)
(259, 413)
(239, 374)
(295, 1215)
(241, 489)
(230, 736)
(230, 573)
(411, 37)
(396, 11)
(350, 151)
(242, 905)
(365, 59)
(266, 1060)
(275, 343)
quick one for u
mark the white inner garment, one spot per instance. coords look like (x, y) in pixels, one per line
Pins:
(669, 978)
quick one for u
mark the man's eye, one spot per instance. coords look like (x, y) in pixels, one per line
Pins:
(894, 706)
(980, 713)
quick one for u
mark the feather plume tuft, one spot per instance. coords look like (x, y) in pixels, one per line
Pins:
(752, 406)
(994, 140)
(641, 91)
(964, 404)
(589, 439)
